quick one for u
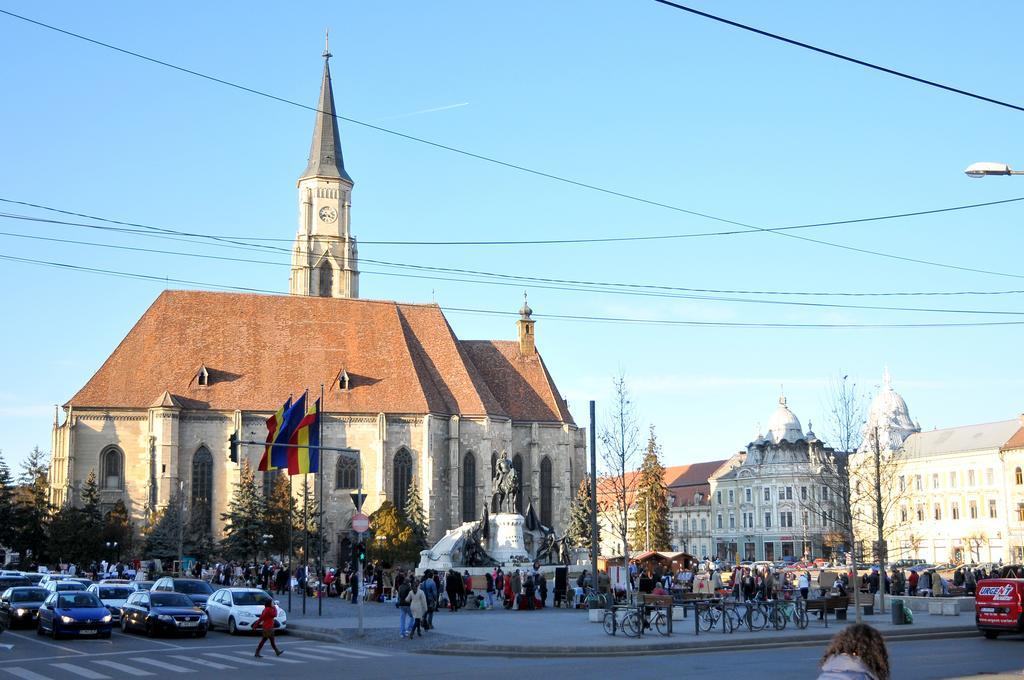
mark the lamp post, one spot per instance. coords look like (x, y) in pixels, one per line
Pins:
(115, 547)
(986, 169)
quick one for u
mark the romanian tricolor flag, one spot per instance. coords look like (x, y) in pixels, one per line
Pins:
(306, 436)
(292, 417)
(274, 423)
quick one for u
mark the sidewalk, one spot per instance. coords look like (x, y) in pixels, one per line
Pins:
(561, 632)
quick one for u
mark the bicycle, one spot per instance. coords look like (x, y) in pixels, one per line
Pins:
(788, 610)
(710, 617)
(754, 615)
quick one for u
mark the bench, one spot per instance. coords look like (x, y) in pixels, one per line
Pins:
(652, 602)
(834, 604)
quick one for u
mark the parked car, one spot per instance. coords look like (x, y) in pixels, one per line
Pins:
(141, 585)
(238, 608)
(999, 606)
(157, 612)
(33, 577)
(121, 581)
(13, 581)
(197, 589)
(76, 613)
(65, 586)
(113, 596)
(20, 605)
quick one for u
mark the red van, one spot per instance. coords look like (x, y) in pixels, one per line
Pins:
(999, 606)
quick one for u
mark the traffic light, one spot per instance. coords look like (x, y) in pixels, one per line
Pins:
(233, 447)
(358, 553)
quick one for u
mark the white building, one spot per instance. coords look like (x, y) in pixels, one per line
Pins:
(690, 508)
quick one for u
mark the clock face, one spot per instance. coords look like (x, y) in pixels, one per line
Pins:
(328, 214)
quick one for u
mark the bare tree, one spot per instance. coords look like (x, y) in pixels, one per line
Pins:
(974, 542)
(620, 450)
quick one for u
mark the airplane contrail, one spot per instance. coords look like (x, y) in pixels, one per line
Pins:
(433, 110)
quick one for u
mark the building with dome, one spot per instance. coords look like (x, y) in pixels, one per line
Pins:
(769, 502)
(420, 404)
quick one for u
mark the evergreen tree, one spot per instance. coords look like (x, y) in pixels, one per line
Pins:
(7, 529)
(91, 547)
(281, 515)
(32, 509)
(414, 516)
(118, 528)
(393, 541)
(66, 541)
(578, 531)
(650, 523)
(198, 539)
(245, 522)
(164, 533)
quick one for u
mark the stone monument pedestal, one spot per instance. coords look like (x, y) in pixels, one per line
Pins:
(506, 543)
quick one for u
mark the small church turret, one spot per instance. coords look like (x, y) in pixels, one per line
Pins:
(527, 343)
(325, 261)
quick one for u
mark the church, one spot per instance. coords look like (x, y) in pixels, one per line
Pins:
(416, 401)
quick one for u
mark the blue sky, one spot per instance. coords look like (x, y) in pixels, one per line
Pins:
(632, 96)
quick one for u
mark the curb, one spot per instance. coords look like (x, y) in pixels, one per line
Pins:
(318, 634)
(681, 647)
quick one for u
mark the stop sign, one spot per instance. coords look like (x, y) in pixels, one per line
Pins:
(360, 522)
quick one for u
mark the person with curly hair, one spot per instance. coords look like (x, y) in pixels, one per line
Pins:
(856, 653)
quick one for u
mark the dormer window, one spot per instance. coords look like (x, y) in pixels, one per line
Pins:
(203, 377)
(343, 381)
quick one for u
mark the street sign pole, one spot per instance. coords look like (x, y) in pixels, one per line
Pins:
(359, 509)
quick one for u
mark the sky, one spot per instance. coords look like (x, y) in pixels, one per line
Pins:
(634, 97)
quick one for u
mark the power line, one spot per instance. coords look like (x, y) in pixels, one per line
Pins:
(490, 159)
(837, 55)
(651, 290)
(567, 317)
(550, 284)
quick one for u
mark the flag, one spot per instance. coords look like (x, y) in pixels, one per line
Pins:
(292, 416)
(273, 425)
(306, 435)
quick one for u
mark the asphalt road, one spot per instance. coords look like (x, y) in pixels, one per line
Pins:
(224, 657)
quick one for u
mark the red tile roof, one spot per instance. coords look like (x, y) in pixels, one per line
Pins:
(258, 349)
(692, 479)
(1016, 441)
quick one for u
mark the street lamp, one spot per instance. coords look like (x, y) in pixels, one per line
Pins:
(978, 170)
(113, 546)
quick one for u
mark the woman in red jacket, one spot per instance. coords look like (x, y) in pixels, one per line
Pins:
(266, 623)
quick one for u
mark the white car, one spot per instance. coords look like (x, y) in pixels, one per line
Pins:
(237, 609)
(112, 595)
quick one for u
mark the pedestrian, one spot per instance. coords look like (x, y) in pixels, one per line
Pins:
(804, 584)
(418, 608)
(403, 601)
(924, 584)
(517, 588)
(542, 586)
(452, 583)
(490, 590)
(856, 653)
(429, 588)
(912, 581)
(266, 623)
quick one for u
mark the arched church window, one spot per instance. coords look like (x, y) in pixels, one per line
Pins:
(545, 491)
(517, 464)
(468, 487)
(346, 475)
(401, 478)
(326, 279)
(1019, 474)
(494, 462)
(202, 485)
(112, 468)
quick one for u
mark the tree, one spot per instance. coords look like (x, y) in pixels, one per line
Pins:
(8, 531)
(92, 520)
(974, 543)
(66, 540)
(650, 520)
(578, 532)
(32, 509)
(282, 516)
(245, 522)
(118, 528)
(414, 515)
(620, 447)
(197, 541)
(393, 540)
(164, 532)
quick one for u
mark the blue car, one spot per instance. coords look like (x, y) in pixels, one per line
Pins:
(76, 613)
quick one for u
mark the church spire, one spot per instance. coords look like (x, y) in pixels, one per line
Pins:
(325, 159)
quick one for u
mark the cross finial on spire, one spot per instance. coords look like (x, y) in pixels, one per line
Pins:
(886, 378)
(327, 44)
(782, 395)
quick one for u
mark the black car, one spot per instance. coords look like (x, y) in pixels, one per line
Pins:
(13, 582)
(33, 577)
(19, 606)
(196, 588)
(163, 613)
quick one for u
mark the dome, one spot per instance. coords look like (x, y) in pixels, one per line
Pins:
(889, 413)
(525, 311)
(784, 425)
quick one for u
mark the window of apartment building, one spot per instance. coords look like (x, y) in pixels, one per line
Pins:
(992, 512)
(789, 493)
(732, 521)
(903, 513)
(903, 483)
(1018, 476)
(972, 509)
(704, 525)
(693, 525)
(732, 497)
(990, 477)
(750, 519)
(718, 498)
(747, 494)
(952, 479)
(1020, 511)
(782, 492)
(938, 511)
(954, 510)
(803, 493)
(767, 520)
(970, 478)
(719, 520)
(935, 480)
(768, 490)
(920, 513)
(917, 482)
(824, 493)
(785, 519)
(804, 518)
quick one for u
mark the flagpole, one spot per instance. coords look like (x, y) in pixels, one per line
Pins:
(320, 498)
(305, 532)
(291, 541)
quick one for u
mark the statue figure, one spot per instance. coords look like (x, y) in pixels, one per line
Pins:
(505, 484)
(473, 553)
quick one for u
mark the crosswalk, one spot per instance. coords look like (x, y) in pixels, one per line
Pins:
(121, 666)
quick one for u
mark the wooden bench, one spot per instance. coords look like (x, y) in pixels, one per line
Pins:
(655, 600)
